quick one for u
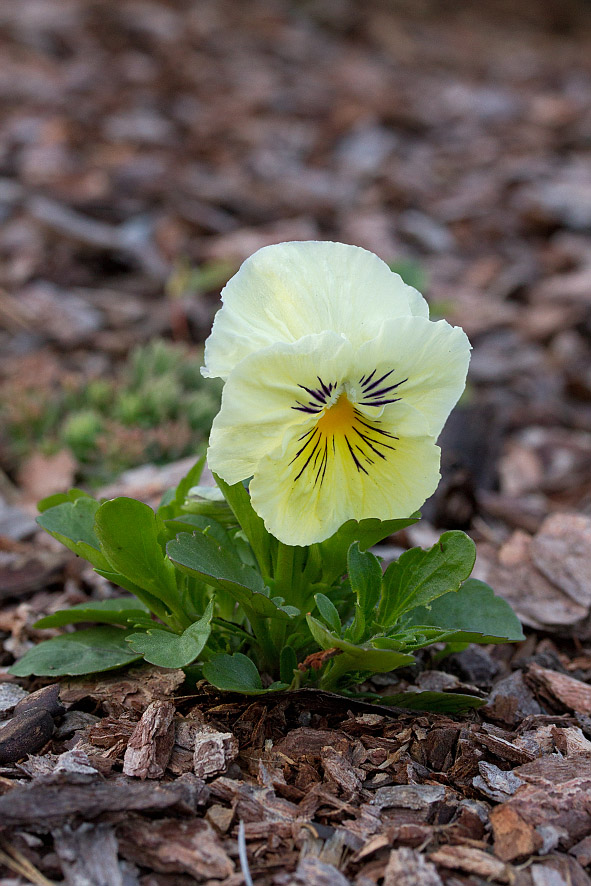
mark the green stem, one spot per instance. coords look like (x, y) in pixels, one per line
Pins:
(338, 668)
(270, 657)
(284, 569)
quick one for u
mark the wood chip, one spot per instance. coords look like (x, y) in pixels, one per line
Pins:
(88, 855)
(514, 838)
(45, 699)
(408, 868)
(313, 872)
(44, 804)
(150, 745)
(496, 784)
(213, 752)
(340, 771)
(424, 797)
(25, 734)
(173, 846)
(570, 693)
(473, 861)
(132, 690)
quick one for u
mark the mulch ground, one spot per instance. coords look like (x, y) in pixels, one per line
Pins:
(143, 136)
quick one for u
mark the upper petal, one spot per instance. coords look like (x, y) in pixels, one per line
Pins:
(289, 290)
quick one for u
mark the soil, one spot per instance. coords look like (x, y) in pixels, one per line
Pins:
(143, 138)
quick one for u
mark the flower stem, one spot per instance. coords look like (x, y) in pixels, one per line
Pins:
(284, 570)
(338, 668)
(269, 654)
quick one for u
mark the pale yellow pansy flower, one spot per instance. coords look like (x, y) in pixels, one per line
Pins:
(336, 419)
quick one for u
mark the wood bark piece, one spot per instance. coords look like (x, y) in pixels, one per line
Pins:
(173, 846)
(515, 839)
(560, 550)
(582, 851)
(25, 568)
(25, 734)
(557, 797)
(570, 693)
(470, 860)
(511, 700)
(408, 868)
(313, 872)
(559, 871)
(213, 753)
(119, 693)
(340, 771)
(537, 601)
(47, 802)
(496, 784)
(88, 855)
(150, 744)
(423, 797)
(10, 695)
(45, 699)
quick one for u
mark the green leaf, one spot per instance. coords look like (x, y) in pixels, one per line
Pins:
(191, 522)
(152, 603)
(168, 650)
(202, 556)
(72, 524)
(233, 673)
(365, 657)
(58, 498)
(84, 652)
(120, 611)
(260, 541)
(365, 578)
(333, 551)
(174, 499)
(129, 534)
(474, 615)
(420, 576)
(443, 702)
(329, 613)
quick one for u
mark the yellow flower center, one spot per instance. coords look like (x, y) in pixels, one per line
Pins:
(342, 432)
(338, 418)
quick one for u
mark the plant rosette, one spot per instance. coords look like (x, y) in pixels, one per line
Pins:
(336, 387)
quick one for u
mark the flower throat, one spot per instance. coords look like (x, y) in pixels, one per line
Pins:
(342, 427)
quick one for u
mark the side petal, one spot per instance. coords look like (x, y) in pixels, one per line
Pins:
(289, 290)
(429, 362)
(260, 398)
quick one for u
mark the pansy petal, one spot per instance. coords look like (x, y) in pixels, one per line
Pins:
(262, 398)
(289, 290)
(428, 363)
(303, 511)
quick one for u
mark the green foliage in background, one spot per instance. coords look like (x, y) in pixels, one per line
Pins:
(157, 408)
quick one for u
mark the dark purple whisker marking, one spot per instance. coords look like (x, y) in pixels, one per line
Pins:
(318, 395)
(374, 394)
(297, 455)
(369, 441)
(377, 382)
(356, 461)
(309, 409)
(325, 389)
(380, 402)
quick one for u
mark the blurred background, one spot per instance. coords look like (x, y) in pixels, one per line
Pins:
(148, 146)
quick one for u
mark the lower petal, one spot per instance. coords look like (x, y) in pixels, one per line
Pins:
(304, 509)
